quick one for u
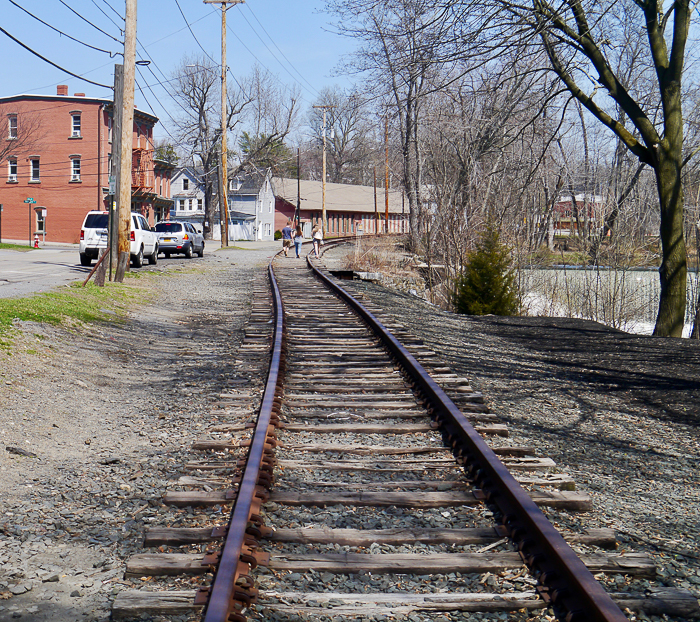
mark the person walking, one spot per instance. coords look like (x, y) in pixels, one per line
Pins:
(317, 236)
(287, 238)
(298, 239)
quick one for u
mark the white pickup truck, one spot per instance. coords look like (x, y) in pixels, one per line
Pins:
(93, 237)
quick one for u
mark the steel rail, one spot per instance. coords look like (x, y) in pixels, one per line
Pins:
(564, 579)
(220, 605)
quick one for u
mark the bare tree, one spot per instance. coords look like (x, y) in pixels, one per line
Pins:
(199, 126)
(580, 40)
(268, 120)
(23, 132)
(348, 139)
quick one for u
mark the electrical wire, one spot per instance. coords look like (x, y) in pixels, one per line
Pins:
(203, 50)
(117, 13)
(111, 54)
(101, 10)
(89, 22)
(50, 62)
(247, 5)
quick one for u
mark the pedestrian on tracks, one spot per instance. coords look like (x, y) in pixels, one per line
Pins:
(287, 238)
(298, 239)
(317, 236)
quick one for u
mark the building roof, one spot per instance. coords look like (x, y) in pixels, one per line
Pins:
(339, 197)
(250, 183)
(108, 103)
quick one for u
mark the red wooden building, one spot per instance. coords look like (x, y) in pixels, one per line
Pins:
(57, 151)
(350, 209)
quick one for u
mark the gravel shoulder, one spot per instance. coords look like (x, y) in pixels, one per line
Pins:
(619, 412)
(109, 411)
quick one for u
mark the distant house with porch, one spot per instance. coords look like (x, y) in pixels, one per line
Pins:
(188, 195)
(251, 203)
(350, 209)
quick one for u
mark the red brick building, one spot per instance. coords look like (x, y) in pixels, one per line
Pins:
(56, 150)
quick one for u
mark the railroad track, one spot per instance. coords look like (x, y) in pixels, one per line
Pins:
(367, 481)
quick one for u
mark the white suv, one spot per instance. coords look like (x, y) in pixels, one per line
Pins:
(93, 237)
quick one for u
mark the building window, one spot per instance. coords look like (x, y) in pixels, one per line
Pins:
(75, 169)
(191, 204)
(12, 126)
(200, 204)
(76, 125)
(12, 169)
(35, 169)
(185, 184)
(40, 222)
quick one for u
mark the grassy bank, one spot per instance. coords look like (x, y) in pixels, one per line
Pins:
(15, 247)
(70, 304)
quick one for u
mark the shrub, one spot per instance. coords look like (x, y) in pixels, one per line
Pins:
(278, 235)
(487, 285)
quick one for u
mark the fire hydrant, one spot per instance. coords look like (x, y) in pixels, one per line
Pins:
(36, 240)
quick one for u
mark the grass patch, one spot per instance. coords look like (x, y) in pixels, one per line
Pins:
(16, 247)
(70, 304)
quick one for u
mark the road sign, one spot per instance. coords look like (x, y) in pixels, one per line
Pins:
(29, 200)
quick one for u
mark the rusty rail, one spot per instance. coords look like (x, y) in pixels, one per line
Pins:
(564, 580)
(232, 586)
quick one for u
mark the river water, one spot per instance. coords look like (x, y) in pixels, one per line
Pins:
(624, 299)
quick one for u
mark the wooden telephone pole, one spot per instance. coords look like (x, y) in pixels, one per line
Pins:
(223, 165)
(325, 108)
(125, 155)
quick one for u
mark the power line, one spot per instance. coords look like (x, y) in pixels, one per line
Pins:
(117, 13)
(89, 22)
(101, 10)
(203, 50)
(277, 47)
(50, 62)
(111, 54)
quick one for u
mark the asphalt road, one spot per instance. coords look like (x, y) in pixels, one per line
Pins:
(23, 273)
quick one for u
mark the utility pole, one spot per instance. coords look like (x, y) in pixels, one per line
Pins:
(116, 162)
(325, 108)
(386, 174)
(376, 211)
(223, 173)
(298, 214)
(127, 141)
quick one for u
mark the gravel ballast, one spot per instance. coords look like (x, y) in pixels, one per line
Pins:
(109, 410)
(618, 412)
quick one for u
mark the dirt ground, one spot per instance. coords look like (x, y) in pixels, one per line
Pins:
(107, 411)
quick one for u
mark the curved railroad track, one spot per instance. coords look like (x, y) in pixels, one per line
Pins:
(367, 481)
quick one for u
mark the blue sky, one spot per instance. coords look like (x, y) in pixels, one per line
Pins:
(299, 29)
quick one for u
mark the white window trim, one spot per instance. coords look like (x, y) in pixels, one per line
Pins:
(11, 176)
(10, 118)
(76, 133)
(31, 169)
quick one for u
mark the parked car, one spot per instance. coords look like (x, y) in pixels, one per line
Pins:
(179, 237)
(93, 237)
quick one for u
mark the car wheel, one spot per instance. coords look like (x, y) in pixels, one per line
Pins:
(137, 261)
(188, 251)
(201, 251)
(153, 259)
(85, 260)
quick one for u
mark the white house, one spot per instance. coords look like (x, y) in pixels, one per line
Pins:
(188, 196)
(251, 204)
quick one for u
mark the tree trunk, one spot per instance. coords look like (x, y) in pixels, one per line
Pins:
(673, 271)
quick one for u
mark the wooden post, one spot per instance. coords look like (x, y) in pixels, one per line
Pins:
(223, 173)
(127, 140)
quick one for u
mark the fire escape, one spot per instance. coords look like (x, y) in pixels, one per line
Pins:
(142, 179)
